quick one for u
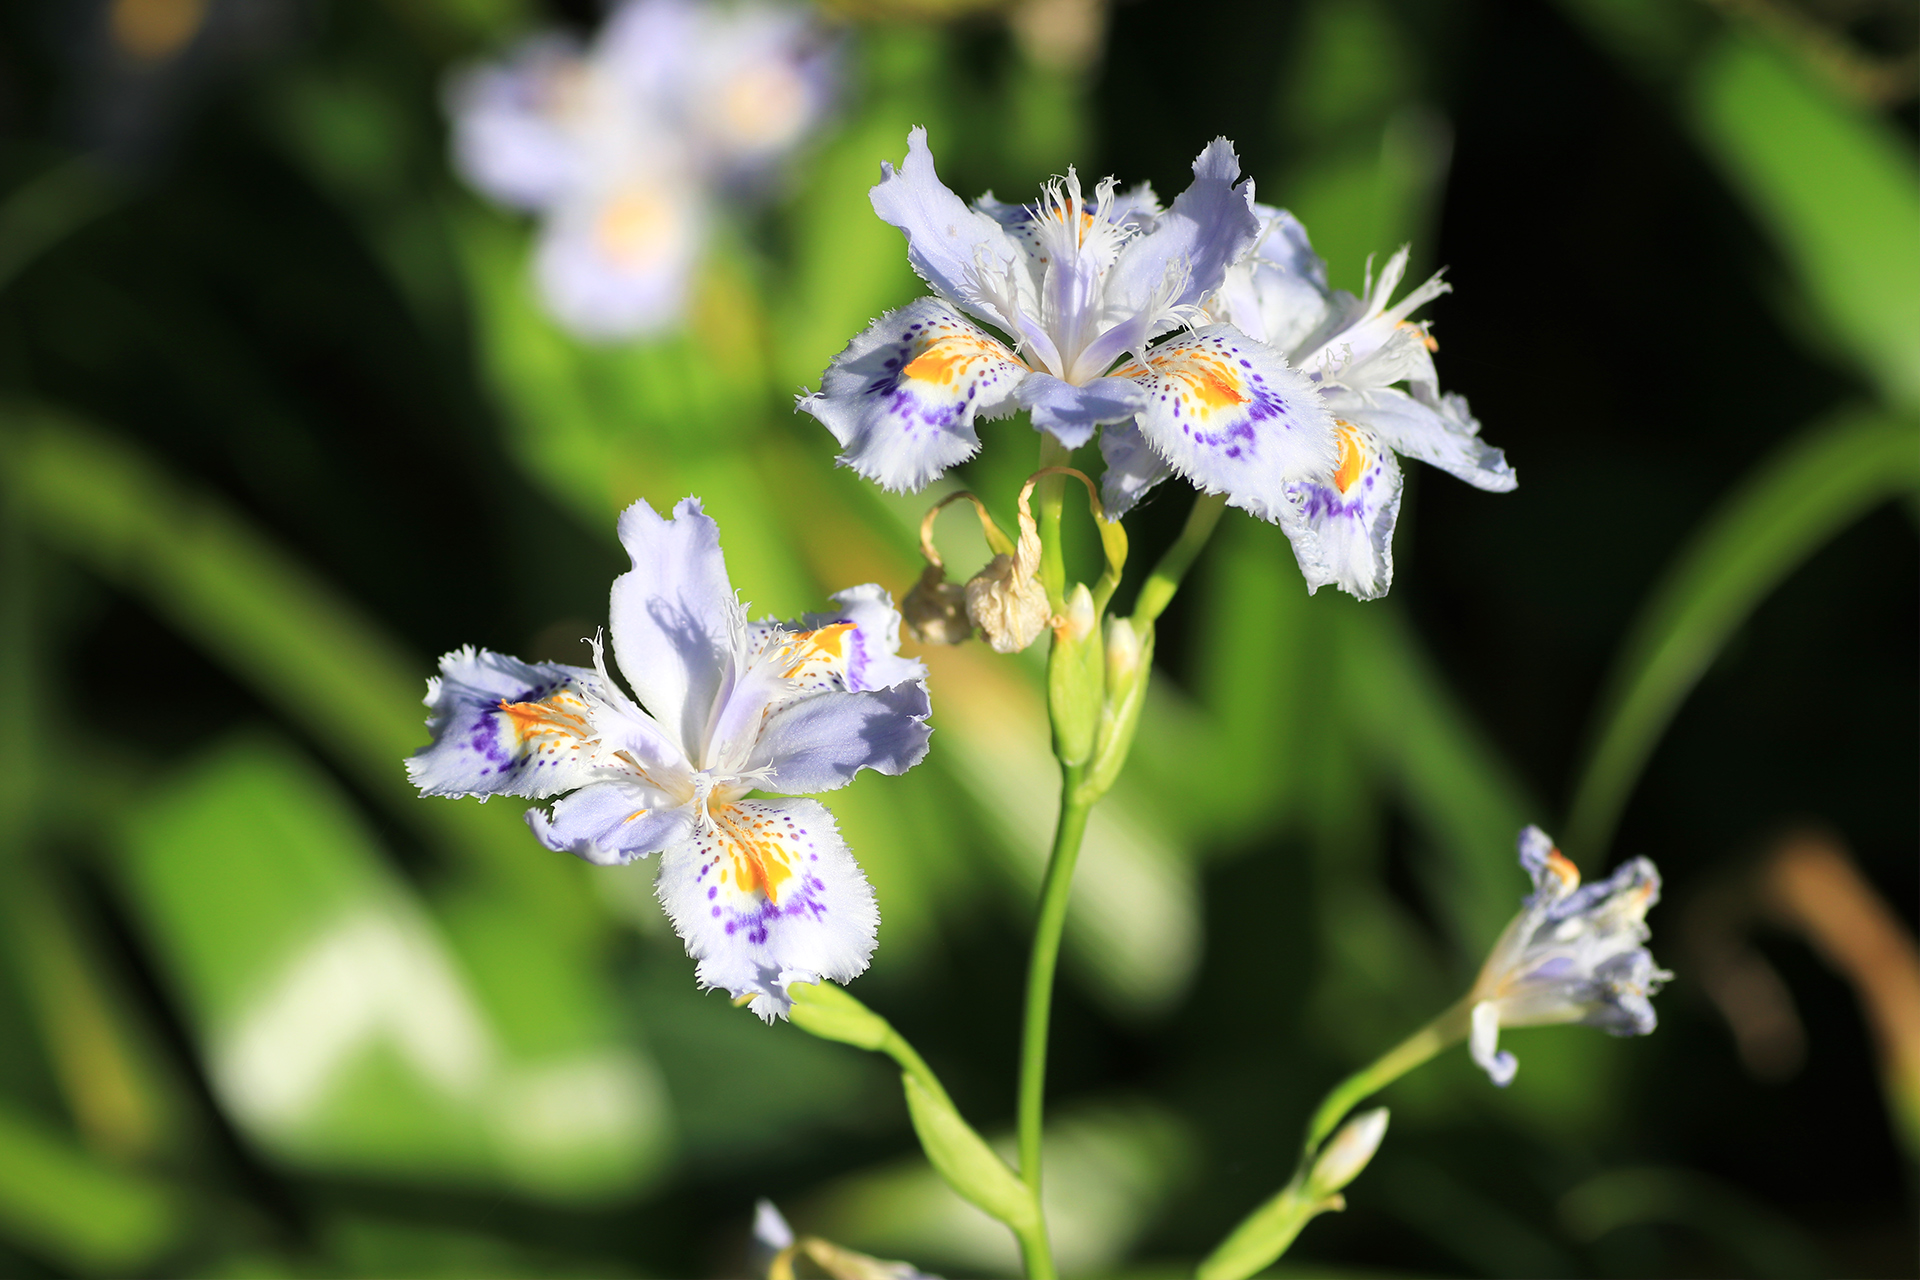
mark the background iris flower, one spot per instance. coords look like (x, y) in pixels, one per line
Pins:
(628, 147)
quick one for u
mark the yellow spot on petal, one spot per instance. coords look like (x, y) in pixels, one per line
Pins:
(946, 357)
(1355, 456)
(635, 229)
(759, 861)
(564, 715)
(828, 644)
(764, 106)
(1211, 382)
(1569, 874)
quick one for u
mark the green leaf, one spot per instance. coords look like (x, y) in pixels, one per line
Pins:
(42, 212)
(1463, 796)
(272, 624)
(1810, 489)
(338, 1027)
(68, 1207)
(1836, 188)
(965, 1160)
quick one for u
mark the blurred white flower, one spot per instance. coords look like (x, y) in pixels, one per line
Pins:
(624, 147)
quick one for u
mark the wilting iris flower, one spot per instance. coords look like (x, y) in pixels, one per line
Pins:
(1373, 368)
(1077, 285)
(764, 892)
(623, 148)
(1572, 955)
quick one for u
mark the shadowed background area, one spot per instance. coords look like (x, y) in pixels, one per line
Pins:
(282, 419)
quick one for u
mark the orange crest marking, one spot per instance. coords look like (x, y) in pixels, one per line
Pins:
(760, 864)
(1211, 382)
(946, 357)
(1355, 457)
(827, 644)
(564, 715)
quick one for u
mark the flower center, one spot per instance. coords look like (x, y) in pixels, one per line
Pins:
(636, 229)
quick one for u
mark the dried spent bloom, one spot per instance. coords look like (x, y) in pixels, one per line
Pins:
(1573, 954)
(624, 147)
(1005, 600)
(1356, 352)
(1078, 286)
(764, 893)
(935, 610)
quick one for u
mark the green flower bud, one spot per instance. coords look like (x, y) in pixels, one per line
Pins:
(1075, 683)
(1342, 1159)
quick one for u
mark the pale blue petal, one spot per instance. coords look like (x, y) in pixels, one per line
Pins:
(611, 823)
(745, 82)
(1132, 468)
(767, 895)
(1072, 413)
(1210, 225)
(1351, 514)
(677, 627)
(1483, 1045)
(1283, 243)
(819, 743)
(1279, 293)
(1536, 854)
(903, 396)
(1228, 414)
(873, 659)
(481, 749)
(1438, 430)
(619, 263)
(944, 236)
(507, 141)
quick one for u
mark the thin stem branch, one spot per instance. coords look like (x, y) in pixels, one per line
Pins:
(1269, 1231)
(1052, 495)
(1156, 593)
(1040, 973)
(1447, 1029)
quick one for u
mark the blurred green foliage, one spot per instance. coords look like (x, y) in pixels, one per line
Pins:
(283, 420)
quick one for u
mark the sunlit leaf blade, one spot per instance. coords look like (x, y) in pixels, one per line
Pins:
(76, 1211)
(1458, 790)
(1810, 489)
(1837, 189)
(338, 1028)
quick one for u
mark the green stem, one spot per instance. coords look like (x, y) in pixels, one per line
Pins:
(1156, 593)
(1051, 495)
(1040, 971)
(1270, 1230)
(1447, 1029)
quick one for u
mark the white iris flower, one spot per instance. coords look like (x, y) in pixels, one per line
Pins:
(1573, 954)
(764, 892)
